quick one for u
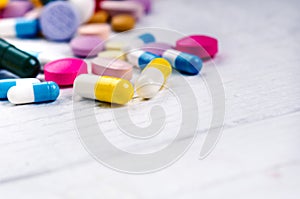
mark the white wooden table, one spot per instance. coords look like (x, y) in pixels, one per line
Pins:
(257, 155)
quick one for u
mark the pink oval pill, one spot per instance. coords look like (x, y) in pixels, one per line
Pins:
(87, 45)
(16, 9)
(157, 48)
(200, 45)
(101, 30)
(112, 67)
(64, 71)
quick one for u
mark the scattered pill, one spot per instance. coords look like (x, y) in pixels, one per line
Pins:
(64, 71)
(112, 67)
(157, 48)
(3, 3)
(34, 93)
(6, 84)
(18, 27)
(112, 54)
(104, 88)
(202, 46)
(140, 58)
(138, 42)
(114, 45)
(183, 62)
(17, 61)
(85, 8)
(153, 77)
(33, 14)
(99, 17)
(101, 30)
(16, 9)
(123, 7)
(62, 25)
(122, 22)
(86, 46)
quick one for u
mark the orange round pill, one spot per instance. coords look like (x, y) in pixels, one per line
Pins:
(99, 17)
(122, 22)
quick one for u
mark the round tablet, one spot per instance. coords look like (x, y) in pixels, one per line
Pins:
(112, 67)
(16, 9)
(122, 22)
(102, 30)
(86, 45)
(200, 45)
(64, 71)
(112, 54)
(85, 8)
(62, 25)
(114, 45)
(157, 48)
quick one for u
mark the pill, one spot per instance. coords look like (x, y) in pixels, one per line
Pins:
(19, 27)
(138, 42)
(114, 45)
(202, 46)
(140, 58)
(99, 17)
(3, 3)
(111, 67)
(34, 93)
(33, 14)
(112, 54)
(157, 48)
(17, 61)
(122, 22)
(101, 30)
(36, 3)
(86, 46)
(123, 7)
(85, 8)
(64, 71)
(183, 62)
(6, 84)
(16, 9)
(147, 4)
(104, 88)
(62, 25)
(153, 77)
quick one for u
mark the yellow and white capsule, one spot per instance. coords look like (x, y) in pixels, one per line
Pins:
(104, 88)
(153, 77)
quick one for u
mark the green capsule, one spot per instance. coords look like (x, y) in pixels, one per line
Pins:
(17, 61)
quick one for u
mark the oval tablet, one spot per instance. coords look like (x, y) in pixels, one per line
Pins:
(64, 71)
(102, 30)
(112, 67)
(122, 22)
(86, 46)
(200, 45)
(62, 25)
(99, 17)
(157, 48)
(112, 54)
(114, 45)
(16, 9)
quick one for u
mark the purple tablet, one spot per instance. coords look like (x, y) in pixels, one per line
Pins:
(86, 45)
(59, 21)
(157, 48)
(16, 9)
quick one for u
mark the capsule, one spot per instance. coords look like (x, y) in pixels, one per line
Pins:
(104, 88)
(6, 84)
(153, 77)
(19, 27)
(35, 93)
(183, 62)
(139, 42)
(140, 58)
(17, 61)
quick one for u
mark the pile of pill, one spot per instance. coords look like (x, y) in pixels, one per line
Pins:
(87, 30)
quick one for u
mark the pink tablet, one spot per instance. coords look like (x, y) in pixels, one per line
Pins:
(202, 46)
(64, 71)
(112, 67)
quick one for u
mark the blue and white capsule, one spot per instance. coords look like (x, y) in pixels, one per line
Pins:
(6, 84)
(183, 62)
(35, 93)
(139, 41)
(19, 27)
(140, 58)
